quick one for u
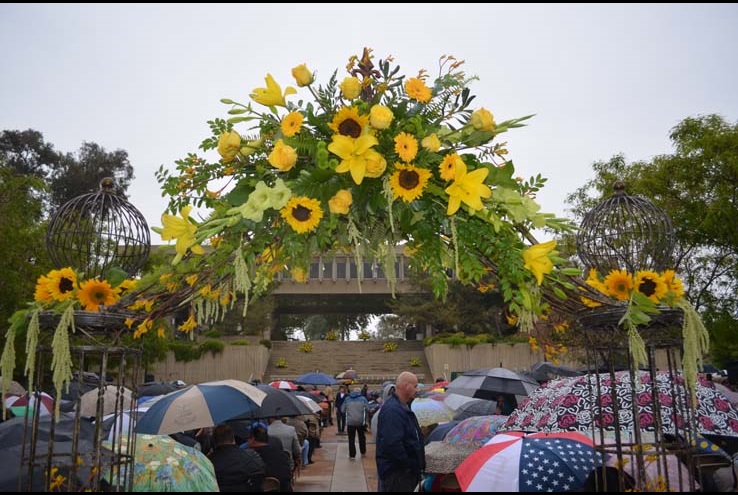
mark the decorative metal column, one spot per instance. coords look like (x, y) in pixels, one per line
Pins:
(92, 234)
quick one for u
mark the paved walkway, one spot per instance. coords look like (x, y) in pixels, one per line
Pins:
(332, 470)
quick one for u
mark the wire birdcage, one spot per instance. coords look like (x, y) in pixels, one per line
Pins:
(94, 232)
(625, 233)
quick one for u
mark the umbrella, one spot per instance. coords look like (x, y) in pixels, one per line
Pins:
(570, 404)
(475, 407)
(347, 375)
(14, 388)
(440, 385)
(314, 397)
(46, 402)
(455, 401)
(197, 406)
(440, 431)
(316, 378)
(117, 425)
(475, 431)
(429, 411)
(283, 384)
(113, 398)
(310, 403)
(152, 389)
(517, 462)
(544, 371)
(162, 464)
(13, 430)
(489, 383)
(277, 403)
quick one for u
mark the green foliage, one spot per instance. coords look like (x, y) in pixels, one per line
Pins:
(192, 351)
(239, 342)
(212, 346)
(281, 363)
(266, 343)
(212, 334)
(415, 361)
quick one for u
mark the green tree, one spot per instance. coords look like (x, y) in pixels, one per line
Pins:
(697, 186)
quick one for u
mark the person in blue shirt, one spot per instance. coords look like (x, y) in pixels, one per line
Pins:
(356, 409)
(400, 450)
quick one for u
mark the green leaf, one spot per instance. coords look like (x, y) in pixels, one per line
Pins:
(115, 275)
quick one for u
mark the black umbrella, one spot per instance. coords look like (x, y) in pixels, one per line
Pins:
(544, 371)
(12, 431)
(153, 389)
(277, 403)
(489, 383)
(439, 432)
(476, 407)
(316, 397)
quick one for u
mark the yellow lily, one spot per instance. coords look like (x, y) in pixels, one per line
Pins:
(355, 154)
(468, 188)
(537, 260)
(272, 95)
(181, 229)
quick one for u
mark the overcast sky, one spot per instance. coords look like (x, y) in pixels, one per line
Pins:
(601, 79)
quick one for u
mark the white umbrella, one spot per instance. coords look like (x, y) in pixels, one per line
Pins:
(113, 399)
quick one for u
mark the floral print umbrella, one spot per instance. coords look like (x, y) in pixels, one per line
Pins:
(570, 405)
(162, 464)
(475, 431)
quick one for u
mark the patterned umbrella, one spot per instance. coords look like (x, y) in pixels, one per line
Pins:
(283, 384)
(570, 404)
(206, 404)
(161, 464)
(539, 462)
(475, 431)
(429, 411)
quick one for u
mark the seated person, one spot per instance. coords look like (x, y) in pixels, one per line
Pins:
(270, 449)
(237, 470)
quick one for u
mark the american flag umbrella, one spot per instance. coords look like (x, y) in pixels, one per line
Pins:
(45, 401)
(535, 462)
(283, 384)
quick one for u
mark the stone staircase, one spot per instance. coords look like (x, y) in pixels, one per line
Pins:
(373, 364)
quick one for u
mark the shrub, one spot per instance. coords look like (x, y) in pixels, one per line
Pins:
(266, 343)
(416, 361)
(390, 346)
(281, 363)
(305, 347)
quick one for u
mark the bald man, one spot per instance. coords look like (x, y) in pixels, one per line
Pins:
(399, 440)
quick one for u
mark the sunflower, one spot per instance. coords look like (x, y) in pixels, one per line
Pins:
(417, 90)
(447, 168)
(406, 147)
(302, 213)
(673, 283)
(127, 286)
(42, 293)
(291, 124)
(650, 284)
(408, 182)
(94, 293)
(348, 122)
(618, 284)
(61, 284)
(593, 280)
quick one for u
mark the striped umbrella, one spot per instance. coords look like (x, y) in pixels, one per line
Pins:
(283, 384)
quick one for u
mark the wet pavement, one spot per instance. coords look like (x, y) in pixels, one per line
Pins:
(333, 471)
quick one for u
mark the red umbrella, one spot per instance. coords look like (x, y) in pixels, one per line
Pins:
(283, 384)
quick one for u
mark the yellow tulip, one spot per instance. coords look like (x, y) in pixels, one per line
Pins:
(482, 120)
(302, 75)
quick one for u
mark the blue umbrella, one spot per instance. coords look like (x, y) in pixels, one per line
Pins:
(316, 378)
(198, 406)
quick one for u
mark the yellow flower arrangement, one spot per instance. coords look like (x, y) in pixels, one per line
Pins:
(364, 335)
(281, 363)
(389, 347)
(643, 294)
(361, 164)
(63, 294)
(331, 335)
(415, 361)
(306, 347)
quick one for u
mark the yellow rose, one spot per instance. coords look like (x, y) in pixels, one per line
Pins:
(339, 204)
(431, 143)
(302, 75)
(380, 117)
(350, 87)
(482, 120)
(283, 157)
(228, 145)
(375, 164)
(299, 274)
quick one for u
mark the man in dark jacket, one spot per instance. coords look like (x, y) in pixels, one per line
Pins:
(236, 470)
(400, 452)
